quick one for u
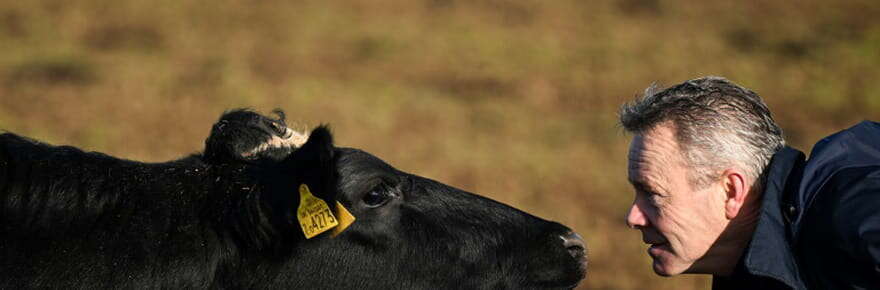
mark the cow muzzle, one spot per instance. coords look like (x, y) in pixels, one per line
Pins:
(574, 244)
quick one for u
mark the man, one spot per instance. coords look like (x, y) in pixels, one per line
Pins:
(718, 192)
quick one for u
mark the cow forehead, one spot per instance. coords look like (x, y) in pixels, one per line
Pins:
(356, 166)
(352, 160)
(359, 170)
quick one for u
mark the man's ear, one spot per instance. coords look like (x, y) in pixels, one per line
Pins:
(736, 191)
(314, 164)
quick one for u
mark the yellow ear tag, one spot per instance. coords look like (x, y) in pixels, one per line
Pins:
(313, 213)
(345, 219)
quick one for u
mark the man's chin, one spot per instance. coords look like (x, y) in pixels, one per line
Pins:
(661, 254)
(659, 269)
(666, 269)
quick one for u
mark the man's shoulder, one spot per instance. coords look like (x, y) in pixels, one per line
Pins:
(840, 194)
(856, 147)
(841, 177)
(845, 196)
(837, 245)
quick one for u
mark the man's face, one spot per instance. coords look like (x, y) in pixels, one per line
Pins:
(680, 222)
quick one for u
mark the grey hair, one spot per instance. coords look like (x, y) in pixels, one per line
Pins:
(717, 124)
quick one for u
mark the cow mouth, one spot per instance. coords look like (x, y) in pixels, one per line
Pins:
(567, 269)
(568, 277)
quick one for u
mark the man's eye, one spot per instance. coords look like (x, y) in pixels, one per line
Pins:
(655, 198)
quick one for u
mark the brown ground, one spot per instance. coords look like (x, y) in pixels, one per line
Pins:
(515, 100)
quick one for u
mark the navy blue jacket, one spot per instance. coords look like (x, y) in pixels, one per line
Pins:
(820, 219)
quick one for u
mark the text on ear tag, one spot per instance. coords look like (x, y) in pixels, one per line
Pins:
(313, 213)
(345, 219)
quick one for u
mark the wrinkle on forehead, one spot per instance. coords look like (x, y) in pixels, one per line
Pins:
(651, 154)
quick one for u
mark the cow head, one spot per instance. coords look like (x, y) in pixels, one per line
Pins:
(410, 232)
(246, 135)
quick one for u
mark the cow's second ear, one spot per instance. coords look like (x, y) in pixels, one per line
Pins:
(314, 164)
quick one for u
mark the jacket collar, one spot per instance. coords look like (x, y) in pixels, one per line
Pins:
(769, 253)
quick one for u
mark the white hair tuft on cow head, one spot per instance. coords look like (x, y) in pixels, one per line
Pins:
(291, 139)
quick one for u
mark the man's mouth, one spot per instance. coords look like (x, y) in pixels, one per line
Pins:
(655, 249)
(654, 240)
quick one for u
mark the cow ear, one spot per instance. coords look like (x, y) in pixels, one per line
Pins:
(314, 164)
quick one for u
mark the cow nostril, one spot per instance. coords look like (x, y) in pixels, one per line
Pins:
(574, 244)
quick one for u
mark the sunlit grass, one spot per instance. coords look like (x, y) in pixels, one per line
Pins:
(515, 100)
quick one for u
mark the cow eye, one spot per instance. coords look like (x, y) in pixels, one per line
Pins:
(377, 197)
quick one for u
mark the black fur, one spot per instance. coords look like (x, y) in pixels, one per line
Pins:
(239, 131)
(74, 219)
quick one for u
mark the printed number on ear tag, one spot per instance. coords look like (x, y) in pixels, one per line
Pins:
(313, 213)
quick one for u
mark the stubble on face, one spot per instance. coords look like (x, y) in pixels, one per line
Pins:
(680, 223)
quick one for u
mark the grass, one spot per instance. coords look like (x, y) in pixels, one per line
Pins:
(515, 100)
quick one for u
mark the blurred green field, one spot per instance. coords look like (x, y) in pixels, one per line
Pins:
(515, 100)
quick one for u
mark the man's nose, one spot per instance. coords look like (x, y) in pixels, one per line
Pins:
(636, 218)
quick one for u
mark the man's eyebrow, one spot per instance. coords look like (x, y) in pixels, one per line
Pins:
(644, 186)
(641, 185)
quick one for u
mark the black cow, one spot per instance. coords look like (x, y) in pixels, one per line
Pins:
(227, 218)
